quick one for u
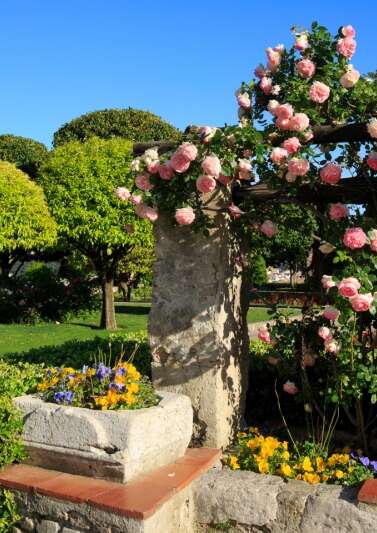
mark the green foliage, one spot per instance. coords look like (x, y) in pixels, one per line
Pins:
(132, 124)
(27, 154)
(258, 271)
(8, 511)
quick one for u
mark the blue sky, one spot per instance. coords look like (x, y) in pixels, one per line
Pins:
(182, 60)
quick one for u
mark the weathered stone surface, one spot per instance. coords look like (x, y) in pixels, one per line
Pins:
(27, 525)
(48, 526)
(197, 324)
(118, 445)
(69, 530)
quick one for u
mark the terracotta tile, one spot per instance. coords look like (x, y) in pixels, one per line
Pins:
(26, 477)
(176, 476)
(75, 488)
(368, 492)
(200, 456)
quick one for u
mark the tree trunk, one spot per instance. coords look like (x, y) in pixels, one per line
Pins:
(129, 292)
(108, 320)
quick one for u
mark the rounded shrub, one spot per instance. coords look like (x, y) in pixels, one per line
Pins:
(27, 154)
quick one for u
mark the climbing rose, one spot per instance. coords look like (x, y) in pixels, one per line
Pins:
(144, 211)
(189, 151)
(225, 180)
(349, 287)
(264, 335)
(308, 135)
(361, 302)
(244, 165)
(122, 193)
(324, 333)
(272, 106)
(299, 122)
(373, 245)
(331, 173)
(338, 211)
(327, 282)
(350, 78)
(135, 164)
(266, 85)
(298, 167)
(301, 42)
(235, 211)
(290, 387)
(346, 47)
(211, 165)
(354, 238)
(185, 216)
(142, 182)
(331, 313)
(153, 166)
(136, 199)
(305, 68)
(206, 133)
(165, 171)
(244, 101)
(319, 92)
(372, 160)
(268, 228)
(331, 346)
(292, 145)
(274, 58)
(348, 31)
(260, 71)
(372, 128)
(284, 111)
(205, 184)
(283, 123)
(278, 155)
(179, 162)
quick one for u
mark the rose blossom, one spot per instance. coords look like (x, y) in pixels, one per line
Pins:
(268, 228)
(283, 123)
(350, 78)
(211, 165)
(244, 101)
(346, 47)
(349, 287)
(205, 184)
(122, 193)
(278, 155)
(331, 313)
(301, 42)
(153, 166)
(373, 245)
(324, 333)
(244, 165)
(206, 133)
(348, 31)
(189, 151)
(275, 90)
(247, 153)
(260, 71)
(372, 160)
(331, 173)
(305, 68)
(264, 335)
(361, 302)
(327, 282)
(235, 211)
(372, 128)
(290, 387)
(284, 111)
(331, 346)
(266, 85)
(144, 211)
(136, 199)
(179, 162)
(354, 238)
(338, 211)
(165, 171)
(298, 167)
(299, 122)
(274, 58)
(372, 234)
(142, 182)
(292, 145)
(225, 180)
(319, 92)
(185, 216)
(272, 106)
(135, 164)
(290, 178)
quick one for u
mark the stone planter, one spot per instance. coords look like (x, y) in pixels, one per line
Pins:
(116, 445)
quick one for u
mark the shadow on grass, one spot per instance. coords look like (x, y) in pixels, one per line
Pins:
(132, 309)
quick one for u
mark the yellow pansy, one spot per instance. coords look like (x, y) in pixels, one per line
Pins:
(286, 470)
(339, 474)
(285, 455)
(233, 463)
(320, 463)
(311, 478)
(133, 388)
(263, 466)
(307, 465)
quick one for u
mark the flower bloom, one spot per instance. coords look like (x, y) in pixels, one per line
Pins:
(244, 101)
(327, 282)
(319, 92)
(189, 151)
(299, 122)
(144, 211)
(165, 171)
(350, 78)
(185, 216)
(150, 155)
(331, 346)
(331, 313)
(211, 165)
(331, 173)
(179, 162)
(348, 31)
(373, 245)
(346, 47)
(305, 68)
(298, 167)
(372, 128)
(372, 160)
(338, 211)
(354, 238)
(205, 184)
(260, 71)
(225, 180)
(324, 332)
(361, 302)
(268, 228)
(284, 111)
(278, 155)
(122, 193)
(292, 145)
(290, 387)
(206, 133)
(272, 106)
(266, 85)
(235, 211)
(283, 123)
(349, 287)
(301, 42)
(264, 335)
(244, 165)
(153, 166)
(142, 182)
(274, 57)
(136, 199)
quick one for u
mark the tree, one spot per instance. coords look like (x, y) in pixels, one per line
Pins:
(132, 124)
(135, 267)
(26, 154)
(25, 221)
(79, 180)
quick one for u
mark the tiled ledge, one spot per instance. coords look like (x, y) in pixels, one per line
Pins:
(368, 492)
(138, 499)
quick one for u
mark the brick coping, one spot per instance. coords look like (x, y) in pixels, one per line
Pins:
(139, 499)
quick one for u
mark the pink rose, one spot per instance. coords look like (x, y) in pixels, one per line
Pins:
(284, 111)
(301, 42)
(308, 136)
(264, 335)
(327, 282)
(211, 165)
(331, 313)
(299, 122)
(144, 211)
(350, 78)
(268, 228)
(346, 47)
(179, 162)
(338, 211)
(189, 151)
(278, 155)
(373, 245)
(274, 58)
(244, 101)
(122, 193)
(260, 71)
(225, 180)
(331, 173)
(349, 287)
(324, 333)
(331, 346)
(153, 166)
(136, 199)
(272, 106)
(235, 211)
(372, 128)
(319, 92)
(165, 171)
(372, 234)
(283, 123)
(298, 167)
(206, 133)
(185, 216)
(354, 238)
(361, 302)
(292, 145)
(348, 31)
(244, 165)
(142, 182)
(372, 160)
(205, 184)
(266, 85)
(290, 387)
(305, 68)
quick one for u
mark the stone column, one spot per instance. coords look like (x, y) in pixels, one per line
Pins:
(198, 327)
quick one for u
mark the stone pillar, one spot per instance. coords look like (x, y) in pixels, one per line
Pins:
(198, 327)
